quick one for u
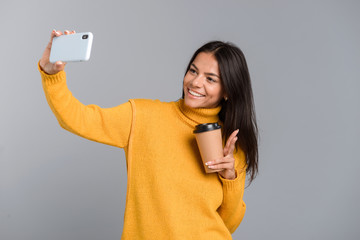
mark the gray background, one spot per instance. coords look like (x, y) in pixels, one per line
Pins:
(304, 61)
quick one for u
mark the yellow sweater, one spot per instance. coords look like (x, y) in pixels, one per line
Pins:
(169, 195)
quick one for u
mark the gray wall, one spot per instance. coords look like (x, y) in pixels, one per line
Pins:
(304, 60)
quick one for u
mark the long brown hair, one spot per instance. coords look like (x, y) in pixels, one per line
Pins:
(238, 111)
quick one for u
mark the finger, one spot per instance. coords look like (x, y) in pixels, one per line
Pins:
(232, 136)
(46, 54)
(221, 160)
(222, 166)
(229, 141)
(67, 32)
(214, 167)
(232, 146)
(59, 66)
(52, 35)
(58, 33)
(45, 64)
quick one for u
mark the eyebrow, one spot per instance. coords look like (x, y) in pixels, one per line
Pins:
(211, 74)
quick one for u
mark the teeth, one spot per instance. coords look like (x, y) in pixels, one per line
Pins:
(195, 94)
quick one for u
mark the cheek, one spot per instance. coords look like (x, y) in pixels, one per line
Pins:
(215, 91)
(186, 80)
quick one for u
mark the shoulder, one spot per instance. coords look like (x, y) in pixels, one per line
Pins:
(153, 112)
(149, 104)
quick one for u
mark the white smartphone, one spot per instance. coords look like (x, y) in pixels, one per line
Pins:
(71, 48)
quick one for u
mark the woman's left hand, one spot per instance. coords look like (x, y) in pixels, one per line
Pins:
(226, 165)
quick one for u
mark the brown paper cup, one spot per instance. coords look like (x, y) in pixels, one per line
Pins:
(209, 140)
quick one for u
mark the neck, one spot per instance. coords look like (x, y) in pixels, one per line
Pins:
(194, 116)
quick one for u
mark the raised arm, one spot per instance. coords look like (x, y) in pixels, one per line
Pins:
(106, 125)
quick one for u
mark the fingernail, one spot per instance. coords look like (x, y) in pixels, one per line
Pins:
(207, 163)
(210, 166)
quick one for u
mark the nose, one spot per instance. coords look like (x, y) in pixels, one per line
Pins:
(198, 81)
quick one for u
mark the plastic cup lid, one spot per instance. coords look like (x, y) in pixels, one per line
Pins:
(205, 127)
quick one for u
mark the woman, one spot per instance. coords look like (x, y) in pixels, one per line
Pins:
(169, 195)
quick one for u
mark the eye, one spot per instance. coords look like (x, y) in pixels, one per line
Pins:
(211, 79)
(192, 70)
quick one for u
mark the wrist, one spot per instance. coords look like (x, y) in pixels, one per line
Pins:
(229, 175)
(41, 66)
(46, 69)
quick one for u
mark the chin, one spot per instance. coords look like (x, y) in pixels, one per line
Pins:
(189, 103)
(192, 104)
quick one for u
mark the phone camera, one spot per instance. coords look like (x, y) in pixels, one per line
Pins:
(85, 36)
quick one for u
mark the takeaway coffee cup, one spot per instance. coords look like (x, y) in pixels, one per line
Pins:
(209, 140)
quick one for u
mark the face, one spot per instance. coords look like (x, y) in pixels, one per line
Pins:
(202, 83)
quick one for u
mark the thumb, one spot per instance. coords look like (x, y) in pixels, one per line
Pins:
(59, 66)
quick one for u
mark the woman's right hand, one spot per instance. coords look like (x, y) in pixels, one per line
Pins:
(45, 64)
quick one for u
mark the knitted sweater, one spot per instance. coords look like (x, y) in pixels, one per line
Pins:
(169, 195)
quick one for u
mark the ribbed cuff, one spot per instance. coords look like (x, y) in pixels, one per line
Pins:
(232, 184)
(53, 78)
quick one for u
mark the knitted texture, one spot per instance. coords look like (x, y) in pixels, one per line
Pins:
(169, 195)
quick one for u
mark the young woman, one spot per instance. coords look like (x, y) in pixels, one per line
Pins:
(169, 195)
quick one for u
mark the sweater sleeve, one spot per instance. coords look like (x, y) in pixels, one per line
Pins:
(232, 209)
(105, 125)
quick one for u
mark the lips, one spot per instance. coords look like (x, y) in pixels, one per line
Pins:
(195, 94)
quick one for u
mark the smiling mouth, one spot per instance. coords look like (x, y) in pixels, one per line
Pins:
(195, 94)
